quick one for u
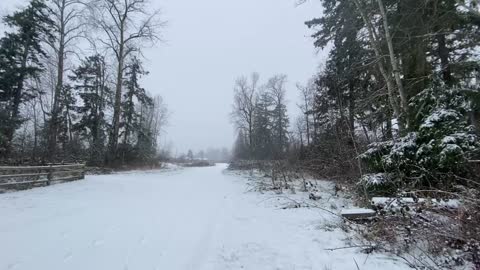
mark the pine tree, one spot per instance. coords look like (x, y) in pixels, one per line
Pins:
(20, 53)
(262, 127)
(70, 145)
(240, 148)
(133, 93)
(91, 84)
(279, 117)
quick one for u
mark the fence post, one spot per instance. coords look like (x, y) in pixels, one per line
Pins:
(50, 175)
(83, 171)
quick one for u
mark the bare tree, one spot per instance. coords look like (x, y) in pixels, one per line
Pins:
(307, 95)
(244, 105)
(127, 25)
(159, 116)
(67, 21)
(153, 119)
(300, 128)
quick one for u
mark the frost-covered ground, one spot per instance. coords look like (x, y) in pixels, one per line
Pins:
(195, 218)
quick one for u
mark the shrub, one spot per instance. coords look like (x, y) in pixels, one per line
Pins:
(440, 144)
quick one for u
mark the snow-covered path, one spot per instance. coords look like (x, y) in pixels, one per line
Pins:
(195, 218)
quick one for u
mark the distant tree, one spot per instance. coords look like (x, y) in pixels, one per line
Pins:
(307, 97)
(260, 115)
(190, 155)
(153, 117)
(263, 141)
(245, 94)
(301, 130)
(225, 155)
(280, 122)
(201, 154)
(240, 148)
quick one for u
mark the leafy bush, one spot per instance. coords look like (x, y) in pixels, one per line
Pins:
(439, 146)
(378, 183)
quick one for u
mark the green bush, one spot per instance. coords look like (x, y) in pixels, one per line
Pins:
(439, 146)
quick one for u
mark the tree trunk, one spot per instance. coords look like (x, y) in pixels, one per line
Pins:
(53, 129)
(444, 61)
(250, 135)
(385, 74)
(128, 119)
(35, 131)
(307, 119)
(351, 108)
(393, 59)
(118, 100)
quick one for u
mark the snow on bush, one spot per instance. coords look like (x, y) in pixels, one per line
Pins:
(374, 179)
(378, 183)
(438, 117)
(440, 144)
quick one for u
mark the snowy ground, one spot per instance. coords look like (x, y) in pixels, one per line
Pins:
(194, 218)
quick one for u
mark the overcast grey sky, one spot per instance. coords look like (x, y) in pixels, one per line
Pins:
(209, 43)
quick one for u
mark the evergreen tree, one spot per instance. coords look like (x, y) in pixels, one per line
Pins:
(240, 148)
(91, 85)
(279, 118)
(20, 54)
(70, 145)
(262, 127)
(131, 117)
(133, 93)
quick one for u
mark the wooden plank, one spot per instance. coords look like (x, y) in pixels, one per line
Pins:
(41, 167)
(22, 175)
(23, 182)
(68, 172)
(67, 179)
(358, 213)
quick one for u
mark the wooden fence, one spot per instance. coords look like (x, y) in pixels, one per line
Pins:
(24, 177)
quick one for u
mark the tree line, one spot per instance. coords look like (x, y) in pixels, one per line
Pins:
(70, 83)
(397, 98)
(260, 115)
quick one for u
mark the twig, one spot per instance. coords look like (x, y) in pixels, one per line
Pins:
(349, 247)
(358, 268)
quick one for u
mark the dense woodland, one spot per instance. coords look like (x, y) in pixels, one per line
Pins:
(394, 111)
(70, 83)
(397, 100)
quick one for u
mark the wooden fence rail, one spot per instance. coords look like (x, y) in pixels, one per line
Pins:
(24, 177)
